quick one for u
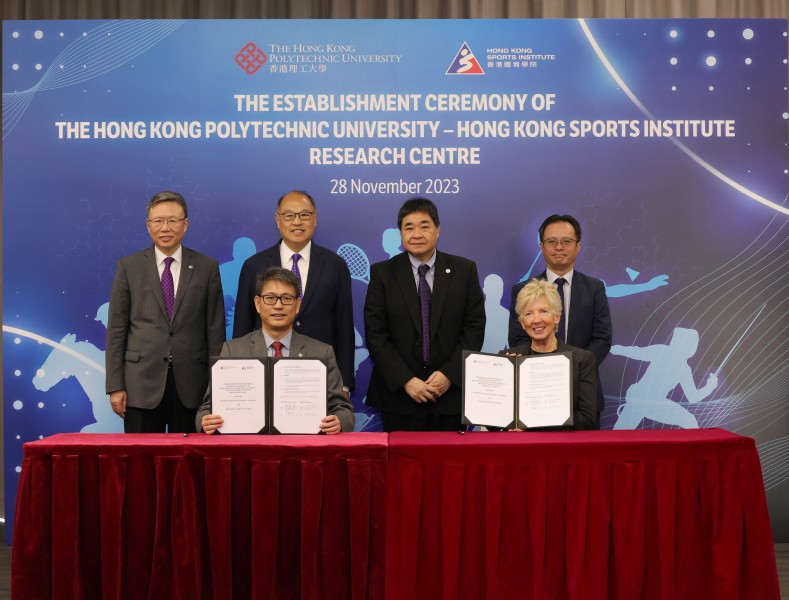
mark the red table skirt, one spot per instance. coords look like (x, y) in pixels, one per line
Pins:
(600, 514)
(164, 516)
(624, 515)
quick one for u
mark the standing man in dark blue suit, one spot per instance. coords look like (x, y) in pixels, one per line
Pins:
(586, 319)
(326, 312)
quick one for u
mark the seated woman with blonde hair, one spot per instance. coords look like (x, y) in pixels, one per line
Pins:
(539, 311)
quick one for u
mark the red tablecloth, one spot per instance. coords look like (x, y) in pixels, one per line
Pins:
(598, 514)
(168, 516)
(625, 515)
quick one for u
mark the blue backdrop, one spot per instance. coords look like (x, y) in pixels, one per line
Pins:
(666, 138)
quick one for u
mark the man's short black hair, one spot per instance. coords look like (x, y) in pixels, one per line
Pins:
(562, 219)
(277, 274)
(418, 205)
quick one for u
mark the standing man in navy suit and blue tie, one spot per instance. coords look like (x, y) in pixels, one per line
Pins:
(326, 312)
(166, 317)
(423, 308)
(586, 319)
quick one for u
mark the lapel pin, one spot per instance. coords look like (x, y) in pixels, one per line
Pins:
(191, 267)
(301, 355)
(449, 270)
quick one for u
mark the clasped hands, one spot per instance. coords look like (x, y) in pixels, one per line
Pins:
(429, 390)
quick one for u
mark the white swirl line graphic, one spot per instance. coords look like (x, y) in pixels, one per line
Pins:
(61, 347)
(727, 180)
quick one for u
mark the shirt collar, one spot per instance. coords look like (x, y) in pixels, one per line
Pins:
(429, 262)
(177, 255)
(286, 339)
(552, 277)
(286, 254)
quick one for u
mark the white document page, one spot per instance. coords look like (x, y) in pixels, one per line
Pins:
(489, 390)
(238, 394)
(299, 395)
(544, 383)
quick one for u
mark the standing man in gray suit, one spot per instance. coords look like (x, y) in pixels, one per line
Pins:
(166, 317)
(277, 302)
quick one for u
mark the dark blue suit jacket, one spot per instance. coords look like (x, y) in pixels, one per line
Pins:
(326, 309)
(590, 320)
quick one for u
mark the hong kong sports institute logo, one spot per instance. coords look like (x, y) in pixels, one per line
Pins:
(465, 63)
(251, 58)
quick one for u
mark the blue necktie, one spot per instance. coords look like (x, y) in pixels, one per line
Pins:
(424, 304)
(560, 288)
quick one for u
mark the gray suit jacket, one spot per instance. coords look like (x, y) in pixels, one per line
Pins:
(253, 344)
(140, 338)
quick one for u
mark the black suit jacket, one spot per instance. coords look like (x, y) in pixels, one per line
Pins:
(590, 320)
(326, 309)
(140, 337)
(584, 371)
(393, 329)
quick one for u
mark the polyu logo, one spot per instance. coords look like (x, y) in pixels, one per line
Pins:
(251, 58)
(465, 63)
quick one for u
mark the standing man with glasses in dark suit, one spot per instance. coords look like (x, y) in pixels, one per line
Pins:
(166, 317)
(326, 312)
(586, 318)
(423, 308)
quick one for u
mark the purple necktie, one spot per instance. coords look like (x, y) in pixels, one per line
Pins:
(424, 304)
(168, 289)
(295, 269)
(560, 288)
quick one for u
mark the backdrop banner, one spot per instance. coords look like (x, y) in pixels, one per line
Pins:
(667, 139)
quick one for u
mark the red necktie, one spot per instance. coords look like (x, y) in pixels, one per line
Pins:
(278, 346)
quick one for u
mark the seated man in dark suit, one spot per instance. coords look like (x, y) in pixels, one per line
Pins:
(277, 303)
(326, 312)
(586, 319)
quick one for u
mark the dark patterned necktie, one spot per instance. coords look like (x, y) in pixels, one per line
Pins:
(278, 346)
(168, 289)
(424, 304)
(560, 288)
(295, 269)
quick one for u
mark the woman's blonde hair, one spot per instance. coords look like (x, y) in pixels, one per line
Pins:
(533, 291)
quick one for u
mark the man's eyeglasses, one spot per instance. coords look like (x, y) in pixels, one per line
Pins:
(305, 215)
(565, 242)
(173, 222)
(271, 299)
